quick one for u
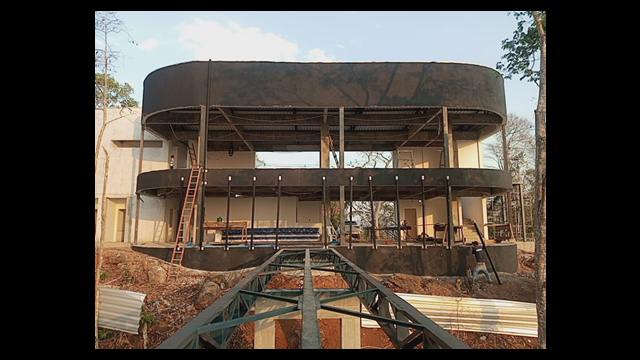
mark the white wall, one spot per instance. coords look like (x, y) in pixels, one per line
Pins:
(123, 170)
(239, 160)
(468, 154)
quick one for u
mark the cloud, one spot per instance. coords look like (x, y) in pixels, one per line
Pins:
(149, 44)
(232, 41)
(318, 55)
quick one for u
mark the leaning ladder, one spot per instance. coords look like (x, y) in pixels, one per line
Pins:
(186, 216)
(192, 154)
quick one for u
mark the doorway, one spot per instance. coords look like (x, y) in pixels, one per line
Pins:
(116, 219)
(120, 221)
(411, 217)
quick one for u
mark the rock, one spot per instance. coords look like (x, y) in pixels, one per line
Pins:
(119, 258)
(157, 275)
(483, 338)
(209, 292)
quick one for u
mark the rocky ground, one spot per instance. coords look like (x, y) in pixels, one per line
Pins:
(170, 304)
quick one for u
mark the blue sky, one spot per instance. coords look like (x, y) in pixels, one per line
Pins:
(165, 38)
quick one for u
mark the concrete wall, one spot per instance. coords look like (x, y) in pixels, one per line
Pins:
(123, 169)
(239, 160)
(413, 260)
(293, 213)
(468, 154)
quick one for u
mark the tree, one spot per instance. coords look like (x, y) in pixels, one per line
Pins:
(383, 210)
(118, 95)
(109, 93)
(98, 247)
(520, 147)
(529, 41)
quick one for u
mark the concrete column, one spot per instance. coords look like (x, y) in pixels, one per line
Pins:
(138, 202)
(447, 131)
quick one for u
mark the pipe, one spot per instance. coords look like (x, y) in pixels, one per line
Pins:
(373, 218)
(278, 211)
(398, 214)
(484, 246)
(226, 238)
(424, 217)
(253, 209)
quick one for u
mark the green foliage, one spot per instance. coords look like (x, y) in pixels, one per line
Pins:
(103, 275)
(522, 51)
(104, 334)
(118, 95)
(147, 318)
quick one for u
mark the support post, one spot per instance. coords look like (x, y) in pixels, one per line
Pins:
(448, 139)
(398, 214)
(341, 165)
(202, 163)
(324, 211)
(424, 216)
(350, 210)
(253, 210)
(226, 237)
(450, 230)
(138, 200)
(278, 210)
(524, 222)
(373, 217)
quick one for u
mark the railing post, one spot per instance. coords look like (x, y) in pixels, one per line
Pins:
(226, 238)
(350, 210)
(424, 217)
(373, 218)
(324, 211)
(398, 214)
(450, 232)
(253, 209)
(278, 211)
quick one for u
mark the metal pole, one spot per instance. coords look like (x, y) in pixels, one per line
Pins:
(226, 238)
(341, 165)
(350, 210)
(424, 217)
(487, 252)
(324, 211)
(524, 222)
(398, 214)
(278, 211)
(373, 218)
(138, 200)
(253, 209)
(450, 232)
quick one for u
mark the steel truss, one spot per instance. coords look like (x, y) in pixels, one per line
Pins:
(405, 326)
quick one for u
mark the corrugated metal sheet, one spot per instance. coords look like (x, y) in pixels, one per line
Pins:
(119, 309)
(476, 315)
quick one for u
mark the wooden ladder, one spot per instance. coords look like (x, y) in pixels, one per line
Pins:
(186, 217)
(192, 154)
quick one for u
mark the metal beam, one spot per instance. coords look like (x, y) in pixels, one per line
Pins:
(310, 329)
(419, 128)
(236, 129)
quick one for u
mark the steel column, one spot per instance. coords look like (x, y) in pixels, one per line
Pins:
(253, 209)
(524, 222)
(450, 230)
(324, 211)
(373, 217)
(341, 165)
(278, 211)
(350, 210)
(398, 214)
(424, 216)
(226, 238)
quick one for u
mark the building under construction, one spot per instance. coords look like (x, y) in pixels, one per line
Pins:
(230, 215)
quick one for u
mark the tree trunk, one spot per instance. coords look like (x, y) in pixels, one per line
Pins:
(103, 220)
(540, 189)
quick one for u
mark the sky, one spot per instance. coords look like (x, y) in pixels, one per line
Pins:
(157, 39)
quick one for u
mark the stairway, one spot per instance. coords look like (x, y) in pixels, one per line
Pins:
(469, 231)
(186, 217)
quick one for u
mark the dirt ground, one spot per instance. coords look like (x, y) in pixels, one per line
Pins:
(171, 304)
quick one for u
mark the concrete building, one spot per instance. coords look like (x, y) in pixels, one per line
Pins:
(234, 136)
